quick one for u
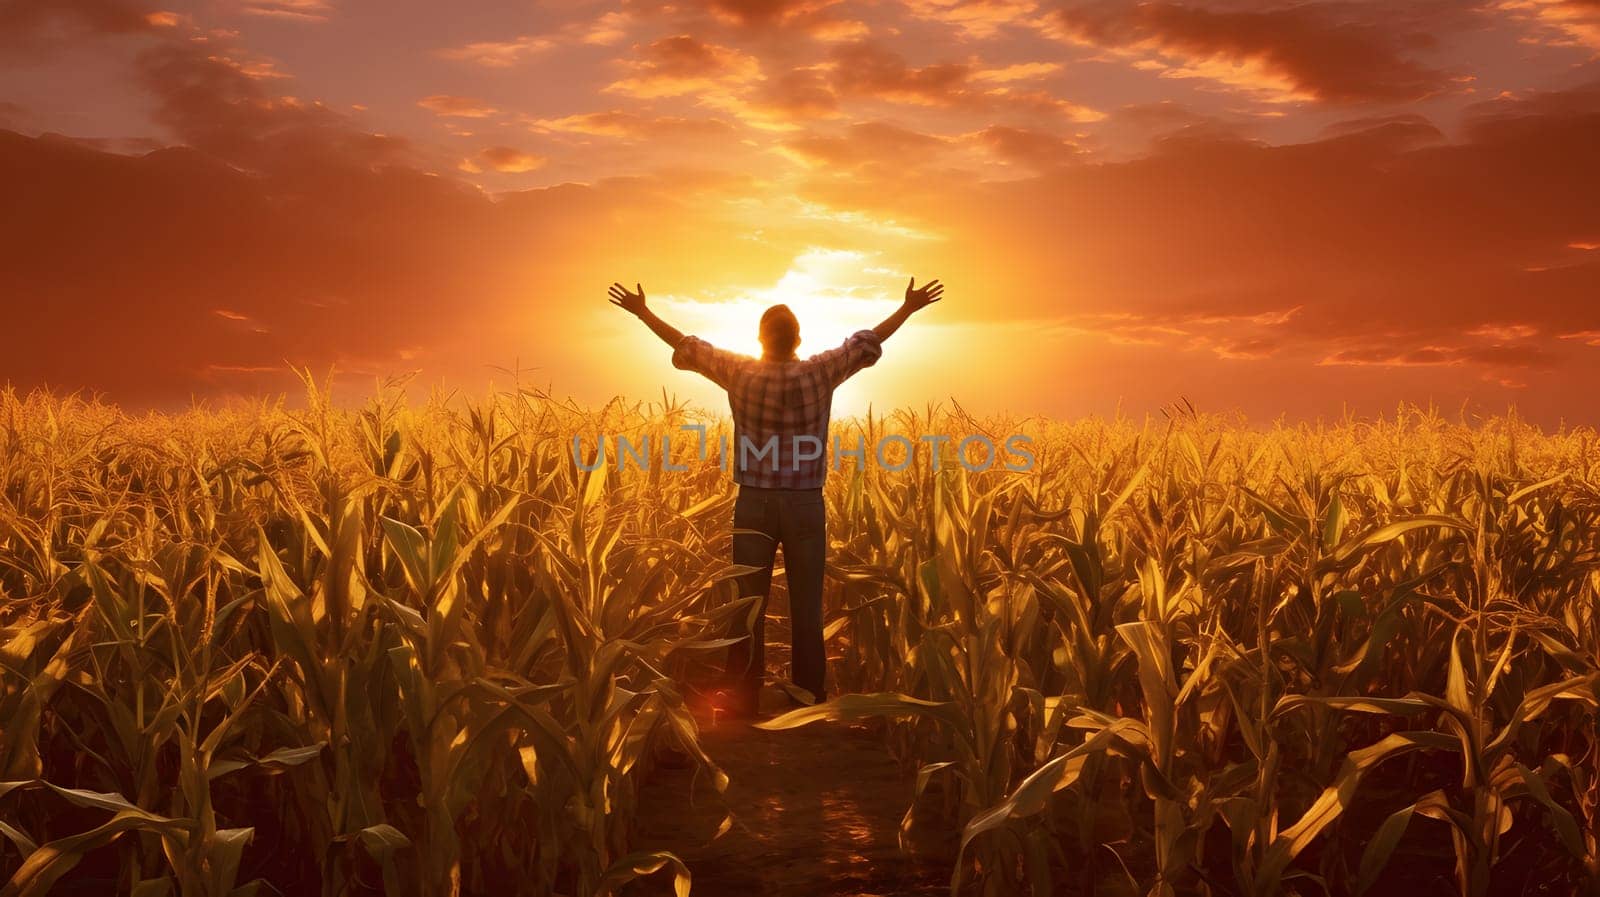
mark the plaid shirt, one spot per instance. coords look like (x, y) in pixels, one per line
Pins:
(780, 408)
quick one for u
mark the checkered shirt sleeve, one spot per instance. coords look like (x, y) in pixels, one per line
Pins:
(861, 350)
(717, 365)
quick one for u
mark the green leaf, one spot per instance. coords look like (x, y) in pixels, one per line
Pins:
(1333, 523)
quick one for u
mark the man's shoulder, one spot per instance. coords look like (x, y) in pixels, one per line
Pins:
(695, 352)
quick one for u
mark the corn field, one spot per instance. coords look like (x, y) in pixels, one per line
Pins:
(418, 650)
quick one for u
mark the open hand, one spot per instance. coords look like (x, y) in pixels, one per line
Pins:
(632, 303)
(917, 299)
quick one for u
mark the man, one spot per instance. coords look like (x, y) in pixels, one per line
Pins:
(780, 407)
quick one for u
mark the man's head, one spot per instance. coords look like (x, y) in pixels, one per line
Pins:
(780, 333)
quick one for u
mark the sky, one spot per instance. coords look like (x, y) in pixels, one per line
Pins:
(1290, 210)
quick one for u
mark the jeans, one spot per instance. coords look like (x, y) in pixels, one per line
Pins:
(764, 519)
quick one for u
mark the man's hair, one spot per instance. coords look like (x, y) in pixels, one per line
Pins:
(780, 332)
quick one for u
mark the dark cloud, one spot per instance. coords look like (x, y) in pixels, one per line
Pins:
(796, 94)
(871, 69)
(822, 19)
(681, 64)
(1335, 52)
(214, 106)
(1139, 127)
(1409, 125)
(1380, 249)
(685, 56)
(1498, 357)
(280, 232)
(1384, 237)
(766, 12)
(1034, 150)
(27, 21)
(171, 273)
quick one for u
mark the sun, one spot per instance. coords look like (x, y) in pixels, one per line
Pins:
(833, 292)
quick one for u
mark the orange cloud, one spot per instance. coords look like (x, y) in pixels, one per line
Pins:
(682, 64)
(1021, 71)
(504, 159)
(610, 28)
(498, 54)
(976, 19)
(457, 107)
(607, 28)
(868, 144)
(780, 103)
(1504, 333)
(296, 10)
(1227, 336)
(621, 123)
(1560, 23)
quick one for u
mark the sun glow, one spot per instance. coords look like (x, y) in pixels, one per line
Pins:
(834, 293)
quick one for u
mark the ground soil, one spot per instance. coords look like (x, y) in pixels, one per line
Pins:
(816, 812)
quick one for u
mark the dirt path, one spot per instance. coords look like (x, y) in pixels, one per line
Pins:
(816, 813)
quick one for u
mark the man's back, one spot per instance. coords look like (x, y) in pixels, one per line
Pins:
(780, 409)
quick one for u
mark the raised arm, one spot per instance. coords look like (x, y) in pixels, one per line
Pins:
(634, 304)
(916, 300)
